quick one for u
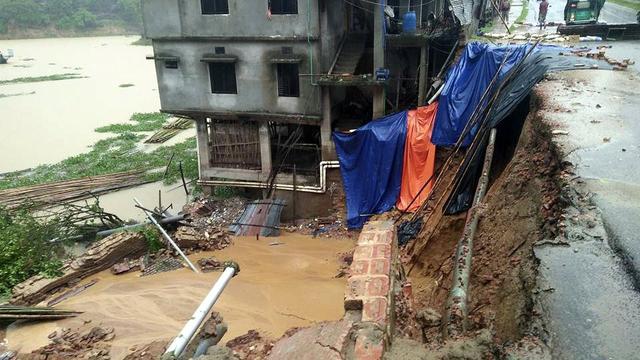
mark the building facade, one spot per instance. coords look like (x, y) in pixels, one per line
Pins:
(267, 81)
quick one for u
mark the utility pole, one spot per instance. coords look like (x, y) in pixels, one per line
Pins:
(379, 93)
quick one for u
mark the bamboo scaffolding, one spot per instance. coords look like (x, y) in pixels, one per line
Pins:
(54, 193)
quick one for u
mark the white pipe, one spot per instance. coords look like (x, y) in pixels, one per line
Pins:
(166, 236)
(180, 342)
(433, 98)
(321, 189)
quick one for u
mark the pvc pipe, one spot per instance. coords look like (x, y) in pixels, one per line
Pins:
(456, 310)
(321, 189)
(166, 236)
(435, 96)
(180, 342)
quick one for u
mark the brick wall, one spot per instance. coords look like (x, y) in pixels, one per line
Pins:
(370, 288)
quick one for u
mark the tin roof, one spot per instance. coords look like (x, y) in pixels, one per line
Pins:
(463, 10)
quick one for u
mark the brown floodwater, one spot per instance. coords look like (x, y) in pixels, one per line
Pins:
(53, 120)
(46, 122)
(278, 287)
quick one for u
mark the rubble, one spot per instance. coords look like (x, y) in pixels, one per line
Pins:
(91, 344)
(202, 238)
(250, 346)
(210, 264)
(100, 256)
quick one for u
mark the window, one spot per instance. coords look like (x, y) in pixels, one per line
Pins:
(219, 50)
(280, 7)
(213, 7)
(288, 83)
(171, 64)
(223, 78)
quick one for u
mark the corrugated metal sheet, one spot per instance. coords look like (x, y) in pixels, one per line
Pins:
(463, 10)
(259, 217)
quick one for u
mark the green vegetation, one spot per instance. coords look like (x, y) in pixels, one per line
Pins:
(152, 236)
(54, 77)
(25, 247)
(522, 17)
(143, 122)
(631, 4)
(488, 27)
(118, 154)
(69, 15)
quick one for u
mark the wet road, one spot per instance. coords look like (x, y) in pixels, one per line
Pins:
(592, 306)
(611, 13)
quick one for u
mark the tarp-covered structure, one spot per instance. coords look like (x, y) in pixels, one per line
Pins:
(527, 66)
(419, 158)
(371, 166)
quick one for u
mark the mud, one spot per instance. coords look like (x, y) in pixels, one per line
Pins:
(265, 295)
(519, 209)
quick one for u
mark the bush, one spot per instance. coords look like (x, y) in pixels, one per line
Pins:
(26, 247)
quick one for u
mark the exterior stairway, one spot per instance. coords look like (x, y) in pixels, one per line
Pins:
(349, 55)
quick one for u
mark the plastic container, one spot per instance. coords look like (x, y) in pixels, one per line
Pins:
(409, 22)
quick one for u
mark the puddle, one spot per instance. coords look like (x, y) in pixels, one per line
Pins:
(272, 293)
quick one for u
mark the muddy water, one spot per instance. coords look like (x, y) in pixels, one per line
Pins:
(52, 120)
(57, 121)
(273, 292)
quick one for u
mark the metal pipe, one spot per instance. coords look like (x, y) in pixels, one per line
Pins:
(456, 310)
(321, 189)
(167, 220)
(182, 340)
(206, 343)
(167, 237)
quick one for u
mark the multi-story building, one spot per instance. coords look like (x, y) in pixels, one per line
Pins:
(267, 81)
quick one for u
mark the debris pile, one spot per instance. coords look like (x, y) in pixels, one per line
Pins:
(207, 237)
(210, 264)
(151, 351)
(100, 256)
(250, 346)
(93, 344)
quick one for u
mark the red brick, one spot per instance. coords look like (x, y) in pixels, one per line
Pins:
(363, 252)
(368, 349)
(378, 286)
(375, 309)
(359, 267)
(379, 267)
(381, 251)
(356, 287)
(376, 237)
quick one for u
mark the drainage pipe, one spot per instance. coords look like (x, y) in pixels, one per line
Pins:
(164, 221)
(321, 189)
(456, 310)
(182, 340)
(166, 236)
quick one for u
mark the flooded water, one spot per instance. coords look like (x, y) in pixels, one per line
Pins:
(53, 120)
(272, 293)
(45, 122)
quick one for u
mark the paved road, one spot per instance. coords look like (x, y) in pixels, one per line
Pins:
(611, 13)
(593, 311)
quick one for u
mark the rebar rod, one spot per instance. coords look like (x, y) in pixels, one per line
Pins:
(456, 310)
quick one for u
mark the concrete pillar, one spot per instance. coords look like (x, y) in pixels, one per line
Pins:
(265, 149)
(379, 93)
(327, 146)
(424, 69)
(204, 151)
(202, 138)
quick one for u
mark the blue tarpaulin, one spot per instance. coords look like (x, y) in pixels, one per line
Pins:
(371, 165)
(465, 84)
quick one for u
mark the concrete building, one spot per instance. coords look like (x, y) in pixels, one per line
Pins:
(267, 81)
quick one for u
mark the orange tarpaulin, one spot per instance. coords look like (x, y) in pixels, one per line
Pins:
(419, 157)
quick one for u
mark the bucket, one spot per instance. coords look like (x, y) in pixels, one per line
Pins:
(409, 22)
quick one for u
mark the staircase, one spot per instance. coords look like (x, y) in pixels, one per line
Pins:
(349, 54)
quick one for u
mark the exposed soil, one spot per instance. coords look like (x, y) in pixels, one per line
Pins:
(520, 208)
